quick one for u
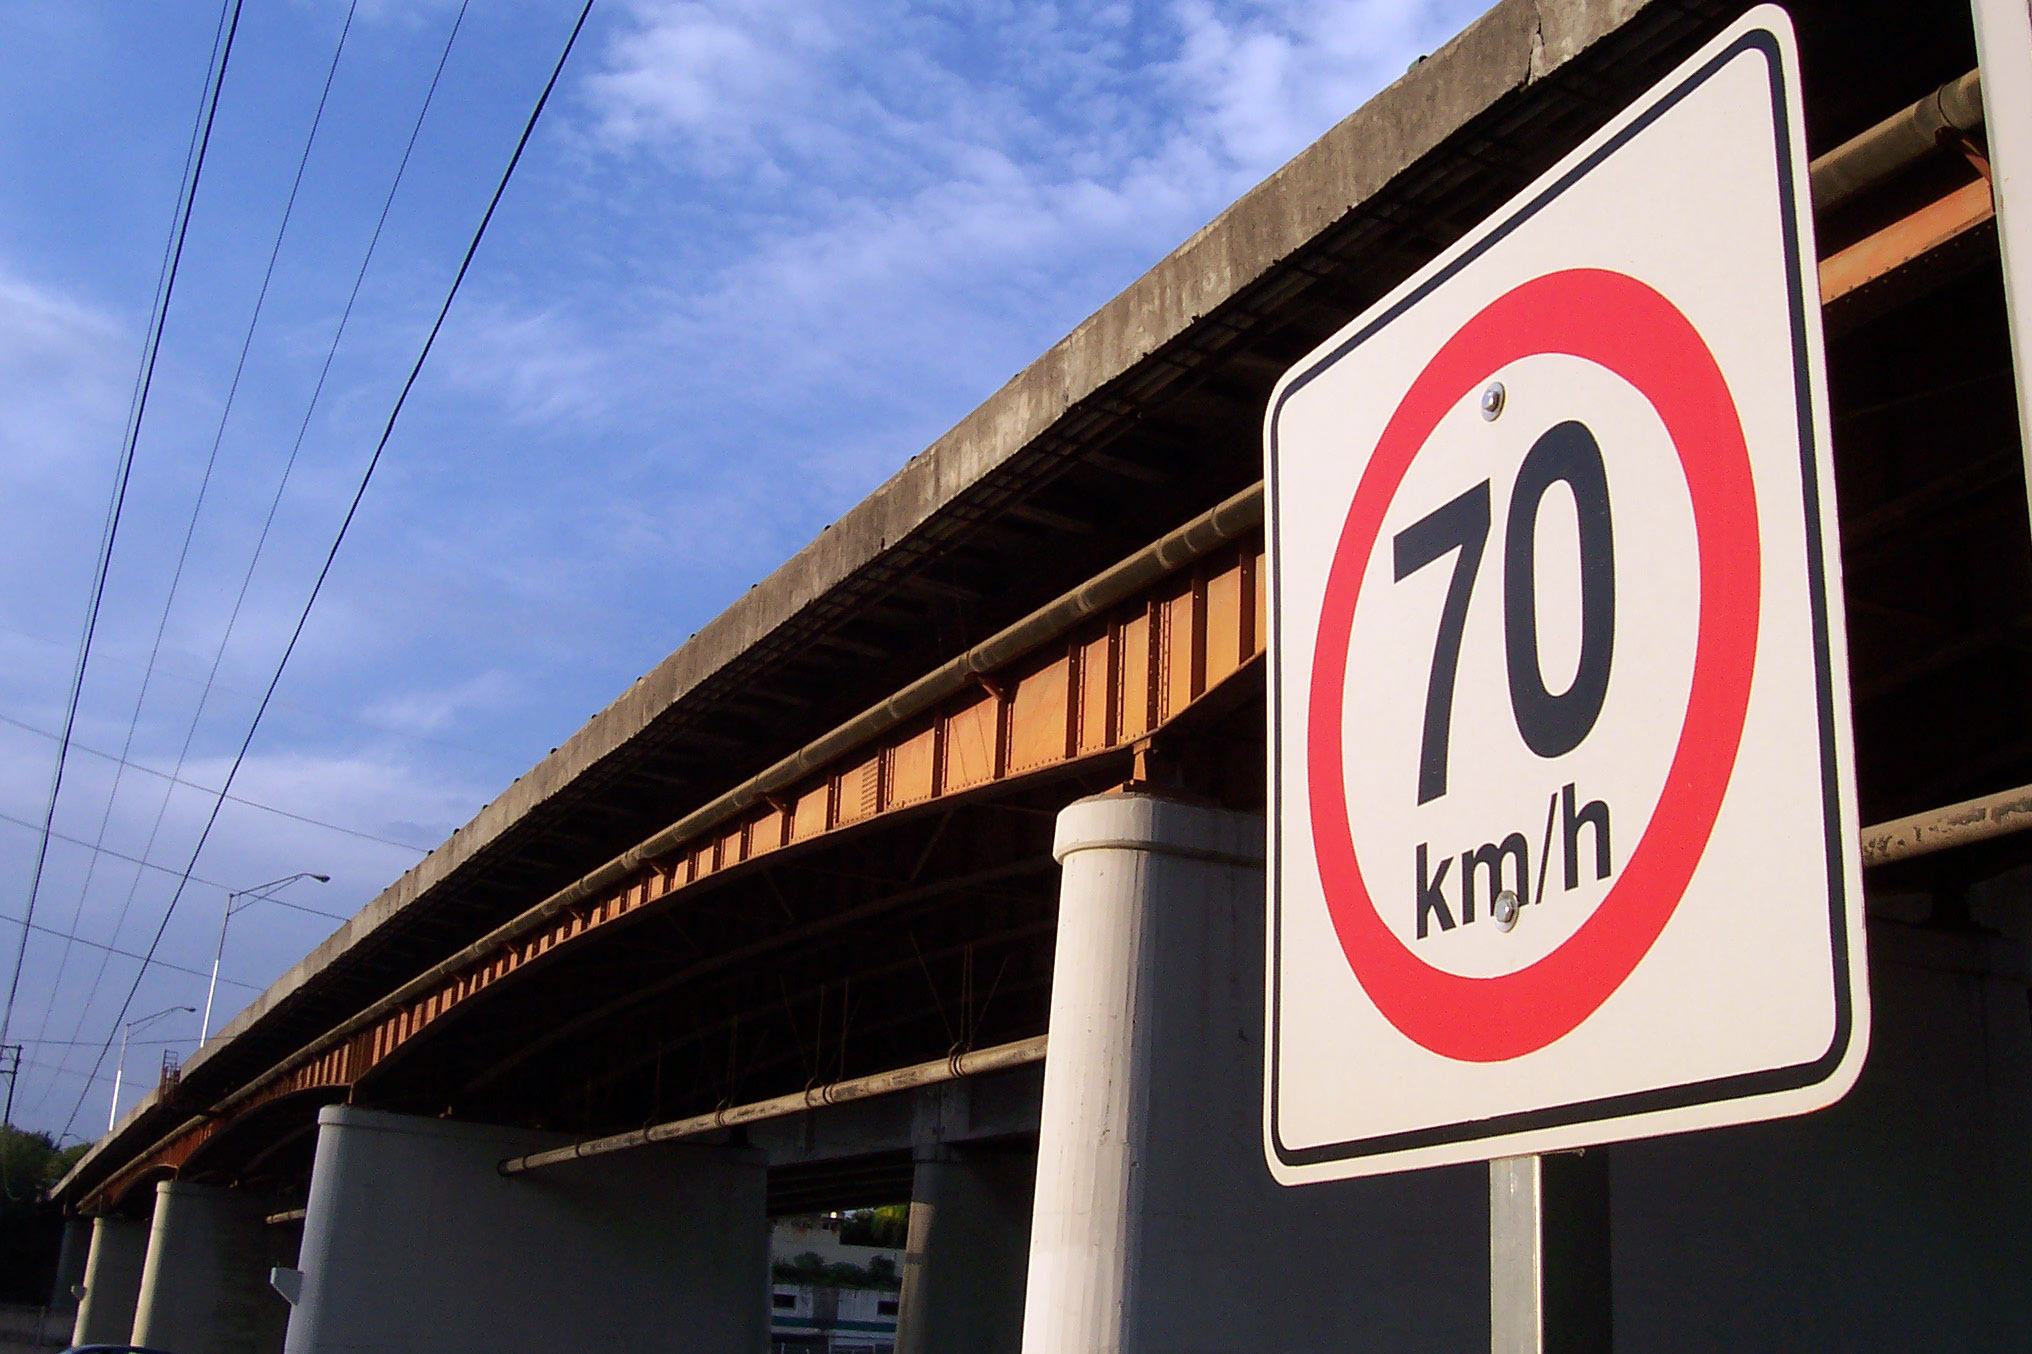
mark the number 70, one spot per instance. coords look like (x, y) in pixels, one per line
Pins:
(1551, 723)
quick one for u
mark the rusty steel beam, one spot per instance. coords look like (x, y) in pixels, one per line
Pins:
(1098, 690)
(1907, 240)
(1093, 673)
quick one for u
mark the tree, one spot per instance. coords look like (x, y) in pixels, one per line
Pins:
(31, 1228)
(887, 1226)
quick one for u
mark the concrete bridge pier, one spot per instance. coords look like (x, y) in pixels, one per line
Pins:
(112, 1281)
(1157, 1225)
(414, 1240)
(969, 1244)
(70, 1269)
(204, 1284)
(1900, 1218)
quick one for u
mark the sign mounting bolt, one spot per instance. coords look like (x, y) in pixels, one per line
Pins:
(1506, 908)
(1492, 401)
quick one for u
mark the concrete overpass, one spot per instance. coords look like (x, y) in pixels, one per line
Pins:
(786, 927)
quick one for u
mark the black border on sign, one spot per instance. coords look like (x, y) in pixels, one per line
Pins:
(1741, 1085)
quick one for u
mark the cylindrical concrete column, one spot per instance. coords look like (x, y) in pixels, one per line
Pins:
(414, 1241)
(1141, 876)
(969, 1245)
(1157, 1225)
(112, 1281)
(204, 1286)
(70, 1270)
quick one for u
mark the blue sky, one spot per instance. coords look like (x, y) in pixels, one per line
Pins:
(759, 254)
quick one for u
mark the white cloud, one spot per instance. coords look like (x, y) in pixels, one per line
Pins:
(63, 369)
(429, 712)
(718, 76)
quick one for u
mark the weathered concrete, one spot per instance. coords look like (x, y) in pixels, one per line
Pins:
(1513, 45)
(204, 1288)
(413, 1240)
(1157, 1226)
(70, 1270)
(1900, 1218)
(112, 1281)
(968, 1252)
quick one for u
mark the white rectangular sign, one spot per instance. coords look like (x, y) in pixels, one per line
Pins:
(1563, 835)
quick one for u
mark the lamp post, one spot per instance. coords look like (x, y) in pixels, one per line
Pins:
(113, 1110)
(253, 895)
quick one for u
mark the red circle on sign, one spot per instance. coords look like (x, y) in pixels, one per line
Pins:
(1626, 327)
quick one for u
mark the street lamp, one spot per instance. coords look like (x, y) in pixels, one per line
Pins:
(113, 1111)
(254, 895)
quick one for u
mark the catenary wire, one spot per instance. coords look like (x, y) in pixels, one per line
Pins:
(125, 474)
(366, 477)
(125, 954)
(183, 554)
(159, 774)
(152, 865)
(274, 504)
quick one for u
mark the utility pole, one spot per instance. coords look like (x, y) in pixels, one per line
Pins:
(10, 1067)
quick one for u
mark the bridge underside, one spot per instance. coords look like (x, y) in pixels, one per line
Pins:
(892, 900)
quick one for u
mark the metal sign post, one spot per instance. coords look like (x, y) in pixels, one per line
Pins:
(2004, 56)
(1549, 1254)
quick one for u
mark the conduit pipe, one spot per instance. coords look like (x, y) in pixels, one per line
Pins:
(1942, 829)
(1863, 162)
(1199, 537)
(996, 1059)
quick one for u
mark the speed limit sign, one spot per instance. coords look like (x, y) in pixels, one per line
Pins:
(1563, 818)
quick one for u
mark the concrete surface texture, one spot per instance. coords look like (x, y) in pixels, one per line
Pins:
(1157, 1225)
(112, 1280)
(204, 1286)
(413, 1240)
(963, 1271)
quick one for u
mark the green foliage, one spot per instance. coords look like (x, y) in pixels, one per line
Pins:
(30, 1163)
(812, 1271)
(887, 1226)
(30, 1228)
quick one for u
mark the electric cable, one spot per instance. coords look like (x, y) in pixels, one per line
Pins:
(125, 475)
(366, 477)
(183, 555)
(275, 501)
(125, 954)
(151, 865)
(158, 773)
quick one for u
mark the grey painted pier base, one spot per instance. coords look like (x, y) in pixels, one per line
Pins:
(969, 1244)
(70, 1271)
(413, 1241)
(1157, 1226)
(112, 1281)
(204, 1288)
(1899, 1219)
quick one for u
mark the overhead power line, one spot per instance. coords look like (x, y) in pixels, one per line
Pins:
(160, 774)
(366, 477)
(152, 349)
(124, 954)
(190, 532)
(151, 865)
(296, 448)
